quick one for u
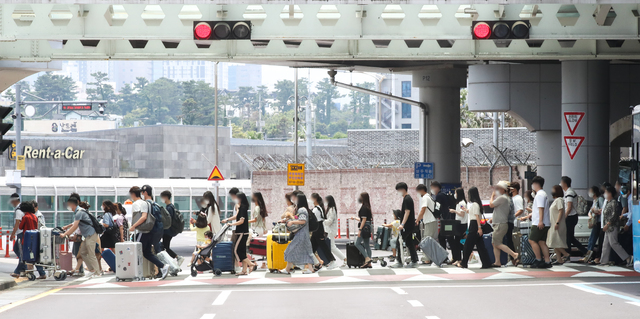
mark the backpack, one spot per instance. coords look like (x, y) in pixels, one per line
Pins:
(313, 222)
(582, 207)
(97, 226)
(156, 211)
(166, 218)
(436, 207)
(177, 221)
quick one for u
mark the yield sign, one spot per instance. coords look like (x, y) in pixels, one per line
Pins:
(215, 175)
(573, 119)
(573, 143)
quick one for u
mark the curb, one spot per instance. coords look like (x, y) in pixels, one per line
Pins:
(7, 284)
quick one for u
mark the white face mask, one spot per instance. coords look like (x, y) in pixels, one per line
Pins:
(203, 205)
(399, 193)
(590, 194)
(69, 208)
(497, 192)
(455, 196)
(206, 202)
(143, 197)
(237, 201)
(433, 192)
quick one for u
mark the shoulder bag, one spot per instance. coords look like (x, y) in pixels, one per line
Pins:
(485, 226)
(148, 223)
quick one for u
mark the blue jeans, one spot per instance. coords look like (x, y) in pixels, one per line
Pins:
(17, 249)
(147, 241)
(593, 238)
(363, 246)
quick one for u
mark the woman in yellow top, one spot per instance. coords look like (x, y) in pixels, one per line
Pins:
(200, 226)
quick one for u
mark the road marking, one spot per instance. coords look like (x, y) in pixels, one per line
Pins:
(634, 303)
(415, 303)
(24, 301)
(457, 271)
(594, 274)
(222, 297)
(432, 317)
(597, 291)
(584, 288)
(208, 316)
(399, 291)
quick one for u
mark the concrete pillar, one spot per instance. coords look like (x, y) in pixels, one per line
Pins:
(440, 128)
(549, 159)
(585, 89)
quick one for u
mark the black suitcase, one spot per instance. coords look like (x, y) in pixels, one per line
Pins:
(378, 238)
(354, 258)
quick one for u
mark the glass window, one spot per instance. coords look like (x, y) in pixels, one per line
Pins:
(6, 220)
(102, 199)
(65, 218)
(406, 126)
(406, 111)
(62, 203)
(46, 203)
(122, 199)
(4, 203)
(182, 204)
(406, 88)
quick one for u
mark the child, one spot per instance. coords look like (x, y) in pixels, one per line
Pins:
(394, 233)
(201, 227)
(209, 237)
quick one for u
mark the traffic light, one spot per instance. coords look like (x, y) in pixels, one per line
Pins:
(500, 30)
(4, 128)
(222, 30)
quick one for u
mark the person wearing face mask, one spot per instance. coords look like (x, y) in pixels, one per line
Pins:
(540, 225)
(407, 224)
(290, 211)
(233, 194)
(169, 233)
(210, 207)
(595, 213)
(89, 235)
(366, 220)
(426, 217)
(571, 202)
(611, 228)
(461, 213)
(501, 210)
(442, 212)
(108, 238)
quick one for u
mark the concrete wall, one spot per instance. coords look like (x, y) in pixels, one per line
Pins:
(345, 186)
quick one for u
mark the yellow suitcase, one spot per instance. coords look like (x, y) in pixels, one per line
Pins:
(275, 254)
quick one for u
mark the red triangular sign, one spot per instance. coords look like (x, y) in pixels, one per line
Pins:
(573, 119)
(215, 175)
(573, 143)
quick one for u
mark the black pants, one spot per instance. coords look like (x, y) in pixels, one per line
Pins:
(166, 244)
(456, 246)
(443, 242)
(241, 246)
(508, 238)
(473, 239)
(147, 242)
(572, 221)
(407, 237)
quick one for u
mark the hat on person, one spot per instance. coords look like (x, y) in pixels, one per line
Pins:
(503, 184)
(13, 197)
(146, 188)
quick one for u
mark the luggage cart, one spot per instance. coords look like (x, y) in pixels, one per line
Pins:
(50, 244)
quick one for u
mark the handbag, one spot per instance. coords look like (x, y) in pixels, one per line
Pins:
(486, 227)
(592, 221)
(148, 223)
(365, 232)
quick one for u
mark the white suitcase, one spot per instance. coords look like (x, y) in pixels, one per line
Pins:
(46, 246)
(166, 259)
(129, 261)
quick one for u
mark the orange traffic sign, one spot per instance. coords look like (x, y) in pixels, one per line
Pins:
(215, 175)
(295, 174)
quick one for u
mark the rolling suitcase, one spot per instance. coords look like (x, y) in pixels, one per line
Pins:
(222, 256)
(504, 258)
(258, 246)
(46, 246)
(129, 261)
(385, 238)
(148, 269)
(433, 250)
(527, 256)
(517, 238)
(165, 258)
(354, 257)
(378, 239)
(110, 258)
(275, 253)
(65, 259)
(30, 246)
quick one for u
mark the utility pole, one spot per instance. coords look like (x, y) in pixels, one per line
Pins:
(18, 129)
(215, 75)
(295, 119)
(308, 119)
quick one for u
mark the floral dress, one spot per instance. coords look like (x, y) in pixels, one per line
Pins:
(299, 250)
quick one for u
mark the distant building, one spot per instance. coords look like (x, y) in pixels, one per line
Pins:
(396, 115)
(243, 75)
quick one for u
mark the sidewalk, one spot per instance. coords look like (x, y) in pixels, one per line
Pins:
(6, 281)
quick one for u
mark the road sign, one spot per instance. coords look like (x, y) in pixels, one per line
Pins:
(215, 175)
(86, 107)
(295, 174)
(573, 119)
(423, 170)
(20, 165)
(573, 144)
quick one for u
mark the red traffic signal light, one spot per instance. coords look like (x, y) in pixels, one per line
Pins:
(221, 30)
(500, 30)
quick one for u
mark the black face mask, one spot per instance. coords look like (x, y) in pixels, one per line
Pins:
(359, 201)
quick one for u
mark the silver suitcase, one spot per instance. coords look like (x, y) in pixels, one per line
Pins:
(46, 246)
(166, 259)
(129, 261)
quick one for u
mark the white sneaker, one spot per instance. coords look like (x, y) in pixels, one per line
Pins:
(88, 275)
(165, 271)
(180, 260)
(332, 265)
(97, 274)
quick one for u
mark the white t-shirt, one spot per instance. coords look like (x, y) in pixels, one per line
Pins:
(540, 201)
(474, 212)
(429, 204)
(18, 216)
(213, 218)
(463, 219)
(394, 228)
(140, 206)
(518, 205)
(316, 211)
(570, 196)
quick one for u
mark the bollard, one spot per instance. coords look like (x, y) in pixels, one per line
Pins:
(339, 229)
(6, 255)
(348, 236)
(1, 239)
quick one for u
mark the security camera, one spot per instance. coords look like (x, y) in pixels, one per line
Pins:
(13, 116)
(466, 142)
(101, 110)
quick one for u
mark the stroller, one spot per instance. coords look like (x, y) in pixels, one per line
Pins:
(203, 261)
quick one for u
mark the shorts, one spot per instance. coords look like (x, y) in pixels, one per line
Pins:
(499, 230)
(538, 234)
(393, 242)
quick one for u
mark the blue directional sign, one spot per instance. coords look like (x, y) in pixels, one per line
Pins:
(423, 170)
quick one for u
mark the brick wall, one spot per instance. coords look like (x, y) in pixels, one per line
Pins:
(345, 186)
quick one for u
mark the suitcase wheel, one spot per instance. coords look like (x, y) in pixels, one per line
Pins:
(383, 263)
(60, 276)
(349, 266)
(194, 273)
(218, 272)
(31, 276)
(117, 279)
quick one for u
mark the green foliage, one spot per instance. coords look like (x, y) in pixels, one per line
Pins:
(324, 100)
(51, 86)
(339, 135)
(100, 90)
(321, 136)
(279, 125)
(283, 92)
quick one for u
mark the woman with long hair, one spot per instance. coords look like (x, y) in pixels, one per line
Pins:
(259, 214)
(242, 233)
(474, 238)
(299, 250)
(108, 238)
(557, 235)
(211, 208)
(366, 222)
(331, 227)
(318, 237)
(121, 222)
(461, 213)
(595, 213)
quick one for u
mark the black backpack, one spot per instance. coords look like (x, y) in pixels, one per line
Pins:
(313, 222)
(97, 226)
(177, 221)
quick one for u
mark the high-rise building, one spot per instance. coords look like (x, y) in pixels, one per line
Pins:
(396, 115)
(244, 75)
(123, 72)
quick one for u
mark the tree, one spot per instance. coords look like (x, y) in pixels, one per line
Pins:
(162, 99)
(279, 125)
(324, 100)
(202, 94)
(283, 92)
(126, 100)
(262, 92)
(51, 86)
(101, 90)
(190, 112)
(246, 100)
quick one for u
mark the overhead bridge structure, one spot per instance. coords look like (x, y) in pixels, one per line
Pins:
(577, 60)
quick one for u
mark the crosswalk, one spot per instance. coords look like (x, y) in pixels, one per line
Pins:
(345, 275)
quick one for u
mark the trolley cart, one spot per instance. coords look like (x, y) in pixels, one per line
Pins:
(49, 257)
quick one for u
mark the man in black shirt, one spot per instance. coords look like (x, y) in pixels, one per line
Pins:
(443, 200)
(407, 224)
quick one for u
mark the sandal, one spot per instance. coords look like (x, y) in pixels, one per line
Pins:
(367, 264)
(566, 259)
(496, 266)
(516, 261)
(241, 274)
